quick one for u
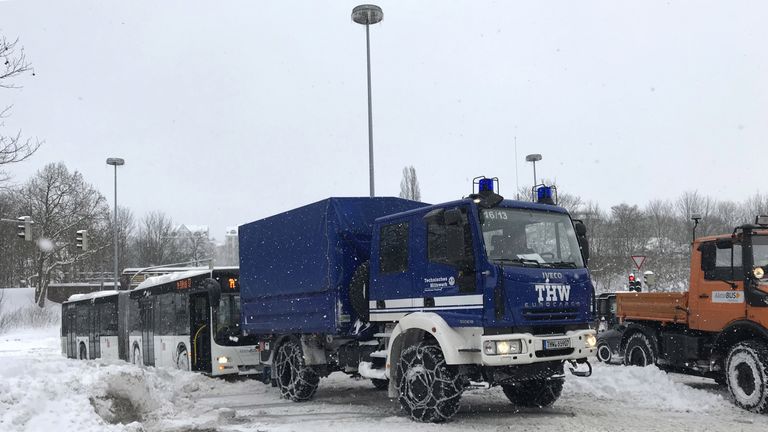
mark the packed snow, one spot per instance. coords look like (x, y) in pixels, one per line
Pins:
(40, 389)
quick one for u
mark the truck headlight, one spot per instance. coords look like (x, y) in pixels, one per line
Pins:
(222, 360)
(503, 347)
(590, 341)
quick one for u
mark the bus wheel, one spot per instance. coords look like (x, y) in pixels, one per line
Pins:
(747, 375)
(83, 352)
(639, 351)
(534, 393)
(295, 380)
(137, 360)
(182, 358)
(430, 390)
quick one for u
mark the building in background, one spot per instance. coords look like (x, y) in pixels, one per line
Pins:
(227, 253)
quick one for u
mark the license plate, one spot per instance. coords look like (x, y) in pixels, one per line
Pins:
(557, 343)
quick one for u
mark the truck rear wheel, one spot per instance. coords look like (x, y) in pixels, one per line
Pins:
(534, 393)
(295, 380)
(747, 375)
(358, 290)
(430, 390)
(639, 351)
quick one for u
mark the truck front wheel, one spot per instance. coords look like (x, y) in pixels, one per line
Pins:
(296, 381)
(534, 393)
(747, 375)
(604, 352)
(430, 390)
(639, 351)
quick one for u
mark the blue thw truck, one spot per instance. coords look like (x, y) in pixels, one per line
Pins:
(424, 300)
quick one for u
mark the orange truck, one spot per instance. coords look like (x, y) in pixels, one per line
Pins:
(719, 327)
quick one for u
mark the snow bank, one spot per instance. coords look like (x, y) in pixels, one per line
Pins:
(40, 389)
(648, 387)
(18, 310)
(16, 298)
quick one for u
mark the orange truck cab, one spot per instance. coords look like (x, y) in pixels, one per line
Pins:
(719, 328)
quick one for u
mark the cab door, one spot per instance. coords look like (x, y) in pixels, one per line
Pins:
(716, 295)
(200, 322)
(448, 279)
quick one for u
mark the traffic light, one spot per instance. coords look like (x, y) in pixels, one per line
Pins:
(634, 283)
(25, 228)
(81, 240)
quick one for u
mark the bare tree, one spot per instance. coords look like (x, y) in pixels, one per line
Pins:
(60, 203)
(13, 148)
(156, 242)
(409, 185)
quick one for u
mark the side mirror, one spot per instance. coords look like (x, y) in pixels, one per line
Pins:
(214, 290)
(581, 236)
(581, 229)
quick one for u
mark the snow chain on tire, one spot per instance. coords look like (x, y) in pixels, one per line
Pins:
(296, 381)
(640, 351)
(746, 371)
(430, 390)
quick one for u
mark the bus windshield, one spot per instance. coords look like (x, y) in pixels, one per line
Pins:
(228, 321)
(530, 238)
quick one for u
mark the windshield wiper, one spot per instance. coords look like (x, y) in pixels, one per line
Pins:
(564, 264)
(522, 261)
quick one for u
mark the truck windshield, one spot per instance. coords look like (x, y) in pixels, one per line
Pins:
(760, 250)
(530, 238)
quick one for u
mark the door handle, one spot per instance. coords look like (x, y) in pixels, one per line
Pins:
(703, 295)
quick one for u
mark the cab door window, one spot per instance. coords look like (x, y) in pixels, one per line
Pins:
(393, 248)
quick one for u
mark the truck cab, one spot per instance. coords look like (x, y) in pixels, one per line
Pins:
(719, 327)
(500, 287)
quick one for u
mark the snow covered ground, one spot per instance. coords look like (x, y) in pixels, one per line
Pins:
(39, 390)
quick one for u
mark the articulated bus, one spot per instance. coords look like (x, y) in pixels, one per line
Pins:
(187, 320)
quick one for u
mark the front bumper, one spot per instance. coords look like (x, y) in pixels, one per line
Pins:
(534, 351)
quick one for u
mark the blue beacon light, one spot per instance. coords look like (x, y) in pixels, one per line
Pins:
(485, 185)
(544, 194)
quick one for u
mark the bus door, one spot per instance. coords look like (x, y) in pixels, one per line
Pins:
(71, 318)
(94, 344)
(200, 326)
(147, 331)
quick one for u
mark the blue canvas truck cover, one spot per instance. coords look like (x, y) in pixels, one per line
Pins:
(295, 267)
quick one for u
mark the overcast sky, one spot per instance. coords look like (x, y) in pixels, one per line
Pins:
(227, 112)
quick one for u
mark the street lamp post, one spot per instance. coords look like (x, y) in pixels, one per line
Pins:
(115, 162)
(368, 14)
(533, 158)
